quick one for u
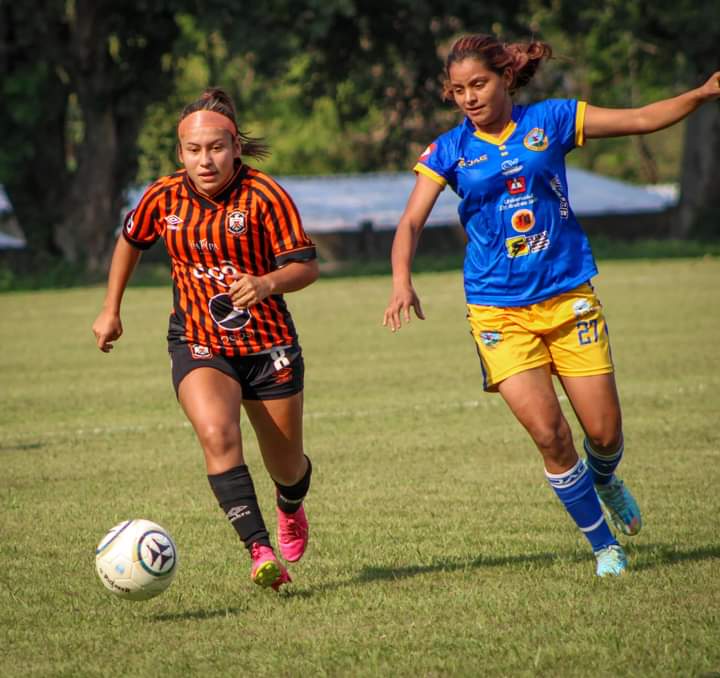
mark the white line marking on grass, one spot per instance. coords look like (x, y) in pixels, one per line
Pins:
(111, 430)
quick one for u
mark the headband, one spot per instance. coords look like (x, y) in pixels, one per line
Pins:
(204, 118)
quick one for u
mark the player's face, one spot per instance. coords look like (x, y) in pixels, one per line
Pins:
(482, 94)
(208, 154)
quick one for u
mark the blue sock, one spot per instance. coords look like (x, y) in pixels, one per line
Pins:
(576, 491)
(602, 466)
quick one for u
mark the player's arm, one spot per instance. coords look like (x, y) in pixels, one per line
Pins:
(248, 290)
(107, 326)
(407, 235)
(616, 122)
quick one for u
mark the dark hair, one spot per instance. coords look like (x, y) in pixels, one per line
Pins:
(523, 58)
(218, 100)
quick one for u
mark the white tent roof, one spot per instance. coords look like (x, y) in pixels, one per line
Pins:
(343, 202)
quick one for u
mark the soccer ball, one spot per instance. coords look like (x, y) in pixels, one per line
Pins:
(136, 559)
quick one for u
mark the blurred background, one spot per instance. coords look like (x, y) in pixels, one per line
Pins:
(91, 93)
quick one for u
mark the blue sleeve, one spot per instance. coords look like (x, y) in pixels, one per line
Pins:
(568, 116)
(437, 161)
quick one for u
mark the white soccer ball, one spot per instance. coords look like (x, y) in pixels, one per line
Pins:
(136, 559)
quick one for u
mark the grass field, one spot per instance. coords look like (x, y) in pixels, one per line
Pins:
(437, 548)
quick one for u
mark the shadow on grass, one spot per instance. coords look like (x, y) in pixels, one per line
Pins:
(14, 447)
(648, 556)
(199, 615)
(374, 573)
(644, 557)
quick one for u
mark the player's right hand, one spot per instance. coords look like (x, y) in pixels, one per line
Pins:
(107, 328)
(401, 301)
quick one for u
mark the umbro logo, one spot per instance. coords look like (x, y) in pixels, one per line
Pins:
(173, 222)
(237, 512)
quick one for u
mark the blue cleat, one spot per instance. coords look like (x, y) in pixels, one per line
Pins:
(621, 506)
(611, 561)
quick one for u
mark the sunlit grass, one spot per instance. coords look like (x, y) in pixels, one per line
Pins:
(436, 547)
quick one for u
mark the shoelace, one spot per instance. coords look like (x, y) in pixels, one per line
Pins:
(617, 498)
(290, 529)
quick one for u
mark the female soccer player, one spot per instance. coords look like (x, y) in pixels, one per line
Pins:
(237, 245)
(528, 264)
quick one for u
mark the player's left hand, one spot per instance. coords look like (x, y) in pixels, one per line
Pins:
(248, 290)
(711, 89)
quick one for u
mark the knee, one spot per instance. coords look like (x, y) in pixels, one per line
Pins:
(552, 438)
(218, 440)
(605, 439)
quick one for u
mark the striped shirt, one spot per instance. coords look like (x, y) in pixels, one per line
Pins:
(251, 226)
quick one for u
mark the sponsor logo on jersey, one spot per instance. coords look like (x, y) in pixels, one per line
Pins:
(556, 186)
(200, 352)
(172, 221)
(491, 338)
(536, 140)
(203, 245)
(515, 185)
(509, 167)
(517, 202)
(583, 307)
(129, 223)
(521, 245)
(225, 315)
(523, 220)
(237, 222)
(428, 152)
(464, 162)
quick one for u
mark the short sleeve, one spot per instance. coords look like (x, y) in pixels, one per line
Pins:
(288, 239)
(141, 227)
(436, 162)
(568, 116)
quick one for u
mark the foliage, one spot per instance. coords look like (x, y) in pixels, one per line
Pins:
(91, 90)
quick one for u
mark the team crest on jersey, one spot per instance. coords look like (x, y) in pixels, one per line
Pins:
(583, 307)
(536, 140)
(200, 352)
(237, 222)
(523, 220)
(428, 152)
(491, 338)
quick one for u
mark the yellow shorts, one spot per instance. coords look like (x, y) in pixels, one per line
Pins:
(568, 332)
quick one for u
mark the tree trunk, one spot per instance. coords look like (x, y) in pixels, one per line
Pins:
(699, 208)
(90, 214)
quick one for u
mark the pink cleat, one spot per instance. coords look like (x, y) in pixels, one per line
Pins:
(267, 570)
(292, 534)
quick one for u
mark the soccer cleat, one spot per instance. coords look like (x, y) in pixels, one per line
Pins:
(267, 571)
(621, 505)
(611, 561)
(292, 534)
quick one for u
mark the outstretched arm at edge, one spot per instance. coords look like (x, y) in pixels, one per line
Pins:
(617, 122)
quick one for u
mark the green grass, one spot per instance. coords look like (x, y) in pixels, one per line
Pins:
(437, 548)
(154, 268)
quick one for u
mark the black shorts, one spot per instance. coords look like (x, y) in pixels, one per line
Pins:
(278, 373)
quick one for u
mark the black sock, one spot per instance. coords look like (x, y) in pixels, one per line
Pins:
(235, 493)
(290, 497)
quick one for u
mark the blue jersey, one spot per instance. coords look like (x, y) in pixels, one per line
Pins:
(524, 243)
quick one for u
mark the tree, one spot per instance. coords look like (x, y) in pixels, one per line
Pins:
(77, 76)
(659, 43)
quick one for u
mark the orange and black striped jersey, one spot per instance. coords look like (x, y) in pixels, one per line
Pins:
(252, 227)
